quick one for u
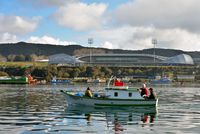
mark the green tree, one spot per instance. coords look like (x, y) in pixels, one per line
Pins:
(89, 71)
(60, 74)
(95, 72)
(138, 72)
(39, 72)
(107, 71)
(33, 57)
(2, 58)
(130, 71)
(3, 73)
(75, 72)
(82, 71)
(11, 57)
(20, 57)
(66, 75)
(51, 71)
(28, 58)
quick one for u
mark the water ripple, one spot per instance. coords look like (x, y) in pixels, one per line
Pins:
(42, 109)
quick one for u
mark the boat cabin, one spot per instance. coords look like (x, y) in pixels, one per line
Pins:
(122, 92)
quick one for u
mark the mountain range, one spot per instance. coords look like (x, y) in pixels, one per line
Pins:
(49, 49)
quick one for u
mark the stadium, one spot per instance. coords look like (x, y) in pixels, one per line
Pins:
(122, 60)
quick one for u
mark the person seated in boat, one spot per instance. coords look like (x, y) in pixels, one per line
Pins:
(144, 91)
(88, 92)
(152, 94)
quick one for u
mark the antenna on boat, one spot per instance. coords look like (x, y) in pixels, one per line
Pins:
(111, 78)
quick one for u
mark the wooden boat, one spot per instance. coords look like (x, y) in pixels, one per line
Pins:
(96, 109)
(117, 95)
(14, 80)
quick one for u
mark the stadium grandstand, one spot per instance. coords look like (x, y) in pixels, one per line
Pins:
(122, 60)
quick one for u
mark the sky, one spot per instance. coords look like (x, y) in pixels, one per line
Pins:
(113, 24)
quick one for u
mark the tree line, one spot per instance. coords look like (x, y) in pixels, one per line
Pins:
(47, 72)
(21, 57)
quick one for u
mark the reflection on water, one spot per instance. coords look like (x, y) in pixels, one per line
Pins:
(116, 119)
(42, 109)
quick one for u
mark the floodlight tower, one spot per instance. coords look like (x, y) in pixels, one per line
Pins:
(154, 42)
(90, 42)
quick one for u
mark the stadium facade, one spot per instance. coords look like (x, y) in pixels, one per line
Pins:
(122, 60)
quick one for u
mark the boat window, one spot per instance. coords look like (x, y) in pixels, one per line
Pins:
(130, 94)
(116, 94)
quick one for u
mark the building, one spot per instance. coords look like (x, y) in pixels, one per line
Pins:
(136, 59)
(121, 60)
(63, 59)
(182, 59)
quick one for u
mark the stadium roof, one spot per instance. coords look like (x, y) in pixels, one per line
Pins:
(122, 59)
(62, 59)
(180, 59)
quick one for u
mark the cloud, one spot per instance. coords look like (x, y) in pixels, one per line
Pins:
(174, 24)
(8, 38)
(46, 3)
(160, 13)
(17, 24)
(136, 38)
(80, 16)
(48, 40)
(107, 44)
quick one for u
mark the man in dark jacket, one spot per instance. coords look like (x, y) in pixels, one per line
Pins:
(152, 94)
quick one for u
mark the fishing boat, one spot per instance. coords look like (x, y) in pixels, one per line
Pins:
(96, 80)
(59, 81)
(116, 95)
(96, 109)
(13, 80)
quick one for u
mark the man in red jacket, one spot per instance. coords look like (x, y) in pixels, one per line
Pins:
(144, 91)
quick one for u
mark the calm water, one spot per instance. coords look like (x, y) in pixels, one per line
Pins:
(39, 109)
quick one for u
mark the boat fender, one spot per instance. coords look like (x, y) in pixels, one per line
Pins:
(96, 95)
(79, 94)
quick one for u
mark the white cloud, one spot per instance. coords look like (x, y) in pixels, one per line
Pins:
(136, 38)
(48, 40)
(8, 38)
(17, 24)
(47, 3)
(160, 13)
(81, 16)
(107, 44)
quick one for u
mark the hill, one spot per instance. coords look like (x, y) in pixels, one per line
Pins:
(49, 49)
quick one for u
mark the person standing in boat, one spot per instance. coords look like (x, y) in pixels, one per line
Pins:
(88, 92)
(144, 91)
(152, 94)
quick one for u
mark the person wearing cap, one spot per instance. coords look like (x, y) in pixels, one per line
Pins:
(152, 94)
(144, 91)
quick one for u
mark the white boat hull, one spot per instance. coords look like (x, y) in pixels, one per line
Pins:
(98, 101)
